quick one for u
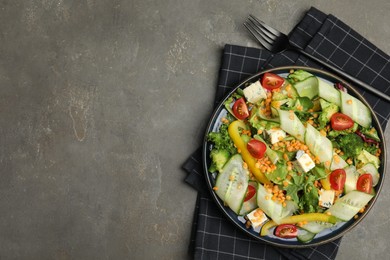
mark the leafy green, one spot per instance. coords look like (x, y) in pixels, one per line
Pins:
(223, 147)
(301, 189)
(328, 109)
(245, 138)
(274, 156)
(299, 75)
(319, 171)
(371, 148)
(365, 157)
(221, 140)
(336, 133)
(371, 133)
(279, 95)
(228, 104)
(350, 144)
(239, 93)
(218, 159)
(309, 200)
(305, 103)
(230, 101)
(303, 116)
(279, 174)
(292, 191)
(299, 179)
(301, 107)
(260, 124)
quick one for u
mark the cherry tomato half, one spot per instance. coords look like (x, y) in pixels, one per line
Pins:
(250, 193)
(337, 179)
(271, 81)
(286, 231)
(240, 109)
(340, 121)
(364, 183)
(256, 148)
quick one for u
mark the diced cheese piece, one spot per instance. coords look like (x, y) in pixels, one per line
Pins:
(276, 135)
(326, 198)
(254, 92)
(304, 161)
(299, 154)
(257, 217)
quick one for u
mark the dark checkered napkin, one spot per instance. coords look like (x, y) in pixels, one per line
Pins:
(325, 36)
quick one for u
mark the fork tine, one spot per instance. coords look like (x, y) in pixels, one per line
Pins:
(270, 37)
(259, 31)
(269, 28)
(256, 34)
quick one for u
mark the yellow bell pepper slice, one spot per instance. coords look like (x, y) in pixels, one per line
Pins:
(325, 183)
(234, 133)
(323, 217)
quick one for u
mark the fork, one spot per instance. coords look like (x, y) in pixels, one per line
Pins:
(275, 41)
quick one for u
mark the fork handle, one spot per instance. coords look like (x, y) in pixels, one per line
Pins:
(345, 75)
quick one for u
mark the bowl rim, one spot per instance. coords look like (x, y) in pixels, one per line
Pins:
(350, 224)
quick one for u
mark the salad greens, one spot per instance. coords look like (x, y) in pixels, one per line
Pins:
(223, 148)
(299, 75)
(301, 146)
(351, 144)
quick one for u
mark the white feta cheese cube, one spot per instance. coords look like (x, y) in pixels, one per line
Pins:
(257, 217)
(304, 161)
(254, 92)
(326, 198)
(275, 135)
(299, 154)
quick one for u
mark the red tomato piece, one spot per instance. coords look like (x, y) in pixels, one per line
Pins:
(340, 121)
(256, 148)
(364, 183)
(250, 193)
(286, 231)
(271, 81)
(240, 109)
(337, 179)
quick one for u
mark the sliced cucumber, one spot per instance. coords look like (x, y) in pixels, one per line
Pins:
(343, 211)
(355, 109)
(371, 169)
(366, 157)
(290, 123)
(264, 201)
(251, 204)
(316, 226)
(272, 155)
(271, 208)
(349, 205)
(285, 91)
(328, 92)
(308, 87)
(338, 162)
(223, 184)
(291, 91)
(351, 179)
(305, 236)
(278, 103)
(319, 145)
(260, 113)
(232, 183)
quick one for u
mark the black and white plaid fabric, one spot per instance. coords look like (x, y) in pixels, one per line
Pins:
(325, 36)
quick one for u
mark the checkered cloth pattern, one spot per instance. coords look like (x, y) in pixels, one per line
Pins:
(324, 36)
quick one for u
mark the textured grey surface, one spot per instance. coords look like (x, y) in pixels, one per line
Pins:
(101, 103)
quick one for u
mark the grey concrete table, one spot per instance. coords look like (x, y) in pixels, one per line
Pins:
(101, 103)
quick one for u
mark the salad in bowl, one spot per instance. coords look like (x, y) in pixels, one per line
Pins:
(294, 157)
